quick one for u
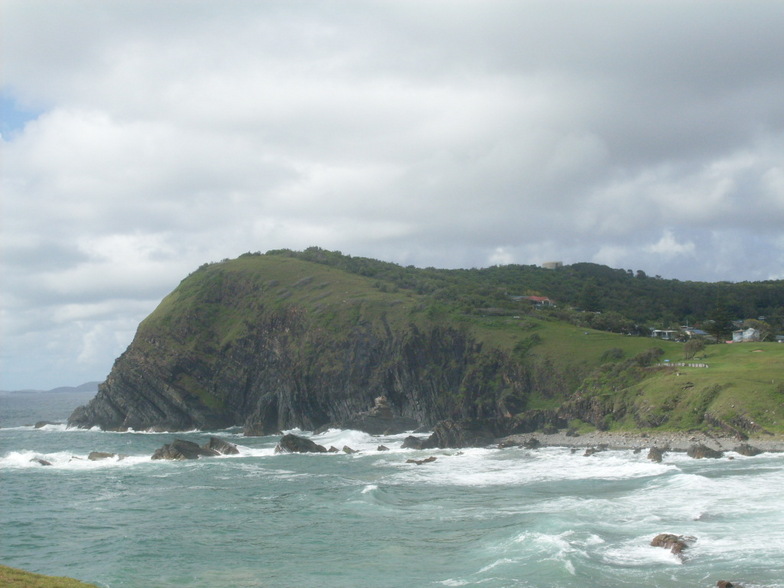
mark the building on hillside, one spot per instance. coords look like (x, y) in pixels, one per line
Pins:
(693, 333)
(665, 334)
(746, 335)
(537, 301)
(552, 264)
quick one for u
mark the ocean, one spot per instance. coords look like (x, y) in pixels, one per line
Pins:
(473, 517)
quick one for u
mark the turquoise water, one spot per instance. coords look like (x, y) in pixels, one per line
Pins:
(475, 517)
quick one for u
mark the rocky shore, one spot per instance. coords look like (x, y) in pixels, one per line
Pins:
(675, 441)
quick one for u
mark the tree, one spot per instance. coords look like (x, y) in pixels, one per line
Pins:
(692, 348)
(720, 324)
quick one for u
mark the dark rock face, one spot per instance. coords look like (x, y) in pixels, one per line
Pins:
(656, 454)
(294, 444)
(284, 370)
(675, 543)
(701, 451)
(380, 420)
(40, 461)
(222, 446)
(180, 449)
(450, 433)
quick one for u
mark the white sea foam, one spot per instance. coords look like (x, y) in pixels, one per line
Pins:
(66, 460)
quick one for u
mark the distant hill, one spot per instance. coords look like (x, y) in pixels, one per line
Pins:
(311, 339)
(87, 387)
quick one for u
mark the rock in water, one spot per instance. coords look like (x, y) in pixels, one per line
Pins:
(747, 450)
(655, 454)
(675, 543)
(701, 451)
(180, 449)
(99, 455)
(221, 446)
(294, 444)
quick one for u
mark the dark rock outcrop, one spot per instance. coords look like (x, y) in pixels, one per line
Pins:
(382, 448)
(412, 442)
(747, 450)
(675, 543)
(700, 451)
(294, 444)
(40, 461)
(180, 449)
(221, 446)
(656, 454)
(42, 424)
(222, 350)
(100, 455)
(450, 433)
(379, 420)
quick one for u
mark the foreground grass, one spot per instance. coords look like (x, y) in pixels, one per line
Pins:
(12, 577)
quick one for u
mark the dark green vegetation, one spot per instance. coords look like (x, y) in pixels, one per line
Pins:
(310, 338)
(12, 577)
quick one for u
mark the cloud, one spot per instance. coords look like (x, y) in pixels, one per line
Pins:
(151, 137)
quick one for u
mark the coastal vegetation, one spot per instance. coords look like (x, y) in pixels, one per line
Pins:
(283, 339)
(11, 577)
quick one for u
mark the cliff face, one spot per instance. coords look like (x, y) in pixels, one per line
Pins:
(269, 348)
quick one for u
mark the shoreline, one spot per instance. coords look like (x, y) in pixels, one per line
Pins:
(675, 441)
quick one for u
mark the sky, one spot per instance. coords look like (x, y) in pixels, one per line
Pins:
(143, 138)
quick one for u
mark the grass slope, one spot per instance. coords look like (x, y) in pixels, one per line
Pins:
(12, 577)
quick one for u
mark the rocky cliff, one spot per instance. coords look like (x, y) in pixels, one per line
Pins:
(275, 341)
(271, 344)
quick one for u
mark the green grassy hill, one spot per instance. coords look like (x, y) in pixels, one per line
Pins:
(305, 338)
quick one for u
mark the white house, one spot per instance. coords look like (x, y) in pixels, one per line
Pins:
(745, 335)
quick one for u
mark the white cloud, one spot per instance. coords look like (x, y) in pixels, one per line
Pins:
(454, 134)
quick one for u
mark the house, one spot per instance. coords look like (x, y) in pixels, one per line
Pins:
(539, 301)
(745, 335)
(666, 334)
(693, 333)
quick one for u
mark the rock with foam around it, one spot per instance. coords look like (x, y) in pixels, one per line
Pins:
(293, 444)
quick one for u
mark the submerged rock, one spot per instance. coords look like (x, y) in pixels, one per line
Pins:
(42, 424)
(40, 461)
(293, 444)
(421, 461)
